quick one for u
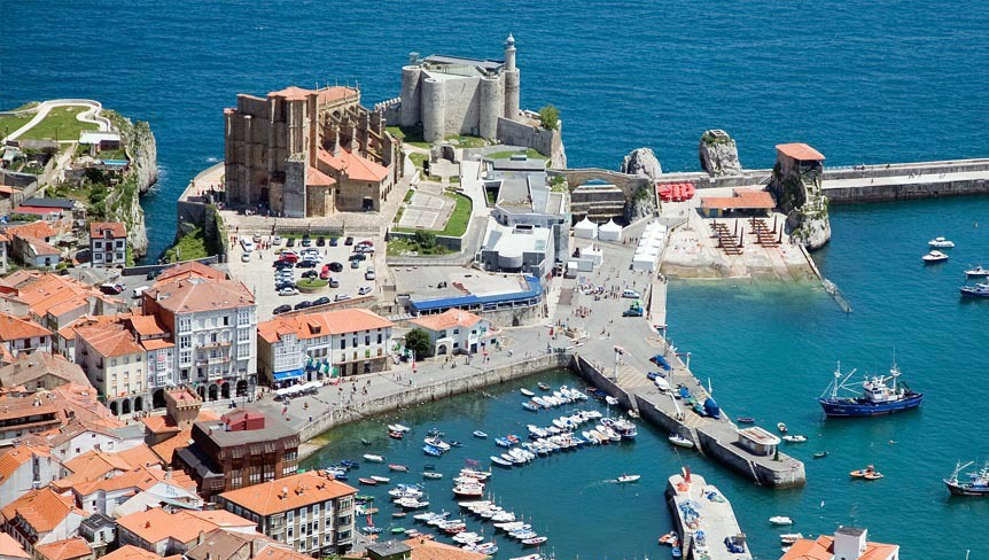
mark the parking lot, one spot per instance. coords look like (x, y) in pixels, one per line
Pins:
(259, 274)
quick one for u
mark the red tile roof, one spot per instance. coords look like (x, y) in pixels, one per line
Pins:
(100, 229)
(42, 509)
(448, 319)
(155, 525)
(10, 548)
(323, 323)
(326, 95)
(748, 199)
(800, 152)
(317, 178)
(14, 328)
(131, 552)
(190, 269)
(428, 549)
(199, 294)
(64, 550)
(354, 166)
(38, 229)
(822, 548)
(304, 489)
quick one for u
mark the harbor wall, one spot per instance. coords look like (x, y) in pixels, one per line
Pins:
(716, 447)
(910, 189)
(471, 380)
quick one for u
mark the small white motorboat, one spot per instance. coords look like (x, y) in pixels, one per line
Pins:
(527, 392)
(612, 401)
(941, 243)
(795, 438)
(398, 428)
(977, 272)
(374, 458)
(680, 441)
(934, 257)
(790, 538)
(781, 427)
(662, 384)
(432, 475)
(628, 478)
(780, 520)
(380, 478)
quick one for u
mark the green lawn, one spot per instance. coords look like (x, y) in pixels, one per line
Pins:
(10, 123)
(398, 246)
(396, 132)
(120, 154)
(418, 158)
(311, 283)
(530, 153)
(190, 246)
(60, 124)
(463, 141)
(457, 224)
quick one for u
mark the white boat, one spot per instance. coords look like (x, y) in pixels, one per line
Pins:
(480, 435)
(527, 392)
(398, 428)
(795, 438)
(380, 478)
(628, 478)
(432, 475)
(934, 257)
(790, 538)
(781, 427)
(977, 272)
(780, 520)
(612, 401)
(662, 384)
(941, 243)
(374, 458)
(680, 441)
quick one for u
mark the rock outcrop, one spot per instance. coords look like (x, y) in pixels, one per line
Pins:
(718, 153)
(641, 162)
(142, 173)
(797, 188)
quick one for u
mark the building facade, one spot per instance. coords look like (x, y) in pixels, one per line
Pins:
(312, 513)
(456, 332)
(107, 244)
(300, 153)
(313, 345)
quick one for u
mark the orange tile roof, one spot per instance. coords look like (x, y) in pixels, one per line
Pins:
(448, 319)
(110, 339)
(326, 95)
(428, 549)
(155, 525)
(14, 457)
(141, 478)
(822, 548)
(199, 294)
(322, 323)
(139, 455)
(164, 424)
(166, 449)
(317, 178)
(354, 166)
(221, 518)
(42, 509)
(800, 151)
(28, 368)
(37, 230)
(741, 199)
(45, 292)
(99, 229)
(278, 553)
(10, 548)
(14, 328)
(303, 489)
(190, 269)
(131, 552)
(145, 325)
(64, 550)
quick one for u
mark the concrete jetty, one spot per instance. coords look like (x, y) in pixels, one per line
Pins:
(705, 521)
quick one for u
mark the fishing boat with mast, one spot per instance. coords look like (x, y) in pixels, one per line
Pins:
(976, 485)
(881, 394)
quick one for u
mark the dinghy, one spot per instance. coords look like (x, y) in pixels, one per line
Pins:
(628, 478)
(780, 520)
(527, 392)
(680, 441)
(371, 457)
(480, 435)
(432, 475)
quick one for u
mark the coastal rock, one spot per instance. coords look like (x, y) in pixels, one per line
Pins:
(142, 151)
(718, 153)
(641, 162)
(798, 193)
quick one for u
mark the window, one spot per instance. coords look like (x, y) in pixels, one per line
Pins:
(343, 343)
(367, 339)
(379, 338)
(185, 323)
(185, 357)
(185, 342)
(226, 320)
(235, 478)
(243, 335)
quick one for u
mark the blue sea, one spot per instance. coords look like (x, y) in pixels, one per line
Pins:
(862, 81)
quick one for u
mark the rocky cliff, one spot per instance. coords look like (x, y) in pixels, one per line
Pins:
(718, 153)
(641, 162)
(798, 193)
(142, 151)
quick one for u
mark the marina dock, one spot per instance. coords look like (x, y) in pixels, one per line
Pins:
(705, 521)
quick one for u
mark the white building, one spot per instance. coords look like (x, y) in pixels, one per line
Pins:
(108, 244)
(212, 320)
(455, 332)
(522, 248)
(310, 346)
(25, 467)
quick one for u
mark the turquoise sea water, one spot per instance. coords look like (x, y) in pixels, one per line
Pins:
(861, 81)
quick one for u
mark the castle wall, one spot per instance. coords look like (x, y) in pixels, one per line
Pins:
(547, 142)
(512, 94)
(491, 102)
(411, 101)
(433, 109)
(294, 189)
(461, 106)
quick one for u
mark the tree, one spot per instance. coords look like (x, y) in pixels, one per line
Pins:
(425, 239)
(549, 117)
(417, 340)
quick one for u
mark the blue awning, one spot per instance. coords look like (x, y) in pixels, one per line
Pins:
(283, 375)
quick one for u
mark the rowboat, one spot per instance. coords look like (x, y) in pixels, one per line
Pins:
(669, 539)
(432, 475)
(542, 386)
(680, 441)
(398, 468)
(795, 438)
(527, 392)
(745, 420)
(500, 462)
(396, 435)
(530, 406)
(368, 481)
(398, 428)
(790, 538)
(820, 454)
(380, 478)
(628, 478)
(397, 530)
(479, 434)
(534, 541)
(371, 457)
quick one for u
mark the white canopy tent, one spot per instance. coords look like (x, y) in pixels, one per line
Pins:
(610, 232)
(644, 261)
(586, 229)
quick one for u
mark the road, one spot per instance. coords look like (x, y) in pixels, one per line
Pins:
(91, 115)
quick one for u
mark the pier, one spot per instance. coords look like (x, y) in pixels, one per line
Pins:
(705, 521)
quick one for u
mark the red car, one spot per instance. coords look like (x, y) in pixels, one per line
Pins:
(324, 274)
(289, 258)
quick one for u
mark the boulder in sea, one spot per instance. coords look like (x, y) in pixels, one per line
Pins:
(641, 162)
(718, 153)
(796, 185)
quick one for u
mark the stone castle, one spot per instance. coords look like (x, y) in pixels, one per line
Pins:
(451, 95)
(308, 153)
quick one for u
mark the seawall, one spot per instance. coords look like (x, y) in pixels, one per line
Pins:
(470, 380)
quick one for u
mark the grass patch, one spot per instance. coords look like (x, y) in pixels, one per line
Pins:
(10, 123)
(408, 195)
(120, 154)
(455, 179)
(457, 224)
(463, 141)
(529, 153)
(397, 132)
(190, 246)
(418, 159)
(60, 124)
(399, 246)
(311, 283)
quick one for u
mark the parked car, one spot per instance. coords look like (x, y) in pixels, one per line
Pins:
(305, 264)
(369, 275)
(290, 242)
(333, 242)
(276, 241)
(364, 290)
(321, 301)
(310, 274)
(335, 267)
(302, 305)
(112, 289)
(245, 257)
(282, 284)
(288, 292)
(320, 241)
(341, 297)
(246, 244)
(334, 283)
(281, 309)
(349, 241)
(282, 265)
(355, 263)
(289, 256)
(366, 242)
(306, 242)
(357, 256)
(256, 239)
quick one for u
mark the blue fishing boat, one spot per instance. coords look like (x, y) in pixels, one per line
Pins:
(881, 394)
(503, 442)
(431, 450)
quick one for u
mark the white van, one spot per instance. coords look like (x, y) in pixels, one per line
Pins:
(246, 244)
(630, 293)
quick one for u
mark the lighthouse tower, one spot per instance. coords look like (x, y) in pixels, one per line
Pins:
(512, 80)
